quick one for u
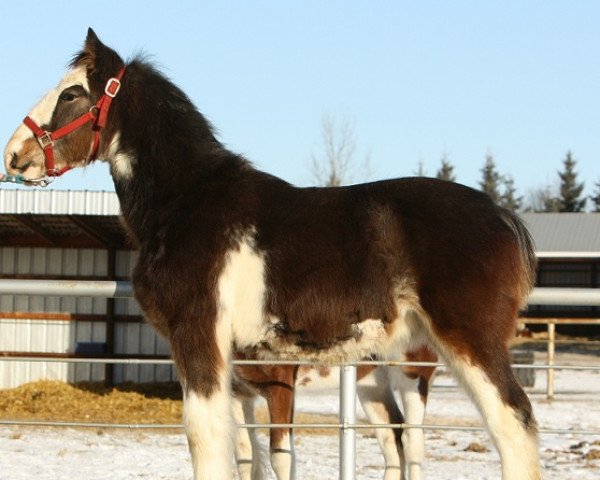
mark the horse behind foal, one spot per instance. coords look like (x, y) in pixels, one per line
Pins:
(403, 451)
(232, 258)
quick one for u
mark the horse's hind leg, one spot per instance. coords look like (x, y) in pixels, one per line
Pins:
(413, 384)
(481, 364)
(377, 399)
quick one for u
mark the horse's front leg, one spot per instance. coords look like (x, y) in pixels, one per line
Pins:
(201, 352)
(245, 455)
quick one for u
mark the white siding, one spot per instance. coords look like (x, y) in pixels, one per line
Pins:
(66, 202)
(35, 335)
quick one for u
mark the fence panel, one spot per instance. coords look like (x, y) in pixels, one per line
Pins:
(347, 425)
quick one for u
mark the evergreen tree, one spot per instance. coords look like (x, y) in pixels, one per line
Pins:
(596, 198)
(551, 202)
(490, 181)
(446, 171)
(570, 191)
(508, 199)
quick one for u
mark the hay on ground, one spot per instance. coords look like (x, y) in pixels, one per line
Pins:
(89, 402)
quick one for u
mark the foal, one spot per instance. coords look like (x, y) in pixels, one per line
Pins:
(234, 259)
(402, 450)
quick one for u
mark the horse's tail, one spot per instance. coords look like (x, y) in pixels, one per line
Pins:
(527, 251)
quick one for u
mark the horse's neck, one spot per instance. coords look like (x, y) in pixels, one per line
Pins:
(166, 150)
(152, 200)
(138, 206)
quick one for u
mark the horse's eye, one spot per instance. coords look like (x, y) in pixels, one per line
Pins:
(67, 97)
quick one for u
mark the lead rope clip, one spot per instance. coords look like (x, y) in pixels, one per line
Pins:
(21, 180)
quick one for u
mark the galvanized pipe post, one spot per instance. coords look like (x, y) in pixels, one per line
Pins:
(550, 362)
(347, 418)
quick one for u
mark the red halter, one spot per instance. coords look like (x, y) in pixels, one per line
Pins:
(97, 115)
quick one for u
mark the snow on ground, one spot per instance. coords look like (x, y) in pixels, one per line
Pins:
(91, 454)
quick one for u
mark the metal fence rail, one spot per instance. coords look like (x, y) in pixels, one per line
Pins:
(123, 289)
(386, 363)
(296, 426)
(347, 424)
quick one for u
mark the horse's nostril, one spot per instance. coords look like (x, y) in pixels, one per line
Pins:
(14, 161)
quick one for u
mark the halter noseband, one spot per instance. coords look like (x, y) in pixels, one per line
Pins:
(97, 114)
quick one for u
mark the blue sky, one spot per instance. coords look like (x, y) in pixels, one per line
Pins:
(416, 79)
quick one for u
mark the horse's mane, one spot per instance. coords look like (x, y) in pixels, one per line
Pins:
(167, 94)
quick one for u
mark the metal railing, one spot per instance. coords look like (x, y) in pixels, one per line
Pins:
(347, 424)
(122, 289)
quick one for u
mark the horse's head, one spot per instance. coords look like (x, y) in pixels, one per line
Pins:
(62, 130)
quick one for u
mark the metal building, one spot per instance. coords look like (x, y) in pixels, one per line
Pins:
(568, 249)
(49, 234)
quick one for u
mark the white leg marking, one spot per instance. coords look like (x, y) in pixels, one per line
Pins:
(377, 400)
(208, 420)
(283, 458)
(247, 449)
(518, 448)
(208, 424)
(243, 444)
(260, 463)
(414, 412)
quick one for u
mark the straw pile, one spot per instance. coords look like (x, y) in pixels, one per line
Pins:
(92, 402)
(88, 402)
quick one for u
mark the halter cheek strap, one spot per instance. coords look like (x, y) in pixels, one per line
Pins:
(98, 115)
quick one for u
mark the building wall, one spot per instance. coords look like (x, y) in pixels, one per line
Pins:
(44, 335)
(568, 273)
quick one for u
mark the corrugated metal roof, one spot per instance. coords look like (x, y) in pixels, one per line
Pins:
(61, 218)
(57, 202)
(564, 232)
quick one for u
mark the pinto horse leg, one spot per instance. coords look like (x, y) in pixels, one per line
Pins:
(205, 373)
(247, 451)
(280, 401)
(377, 399)
(483, 368)
(414, 399)
(413, 383)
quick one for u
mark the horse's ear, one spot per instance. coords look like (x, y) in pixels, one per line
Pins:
(92, 42)
(99, 60)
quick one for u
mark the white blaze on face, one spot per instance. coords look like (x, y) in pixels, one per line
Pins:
(42, 112)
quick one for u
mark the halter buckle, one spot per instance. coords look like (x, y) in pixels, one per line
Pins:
(45, 140)
(113, 85)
